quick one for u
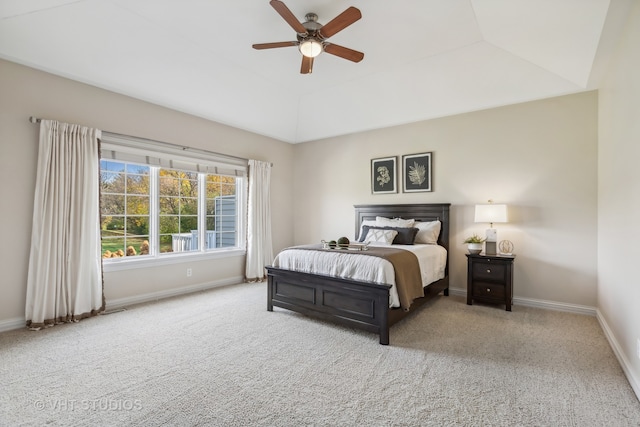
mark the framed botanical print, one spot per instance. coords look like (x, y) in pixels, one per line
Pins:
(383, 175)
(416, 172)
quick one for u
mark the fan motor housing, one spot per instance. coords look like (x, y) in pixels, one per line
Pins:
(311, 24)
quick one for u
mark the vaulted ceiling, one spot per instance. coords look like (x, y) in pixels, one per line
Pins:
(423, 58)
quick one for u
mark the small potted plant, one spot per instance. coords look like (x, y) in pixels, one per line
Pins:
(474, 244)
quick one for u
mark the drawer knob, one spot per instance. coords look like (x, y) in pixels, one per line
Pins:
(488, 271)
(488, 290)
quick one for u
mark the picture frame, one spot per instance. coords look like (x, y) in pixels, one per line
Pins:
(383, 175)
(417, 172)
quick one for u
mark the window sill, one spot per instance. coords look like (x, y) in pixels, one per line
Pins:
(131, 263)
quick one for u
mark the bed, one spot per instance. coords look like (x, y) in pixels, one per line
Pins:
(360, 304)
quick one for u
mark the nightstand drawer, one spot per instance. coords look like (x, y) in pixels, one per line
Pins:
(488, 290)
(489, 271)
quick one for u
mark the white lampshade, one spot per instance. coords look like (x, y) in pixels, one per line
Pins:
(491, 213)
(310, 47)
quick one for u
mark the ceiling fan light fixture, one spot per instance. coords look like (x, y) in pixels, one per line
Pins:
(310, 47)
(311, 36)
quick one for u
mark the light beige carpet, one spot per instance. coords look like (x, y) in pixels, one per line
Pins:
(219, 358)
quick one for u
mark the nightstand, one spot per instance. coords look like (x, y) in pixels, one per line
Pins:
(490, 279)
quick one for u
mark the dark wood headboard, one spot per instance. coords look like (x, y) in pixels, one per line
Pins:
(419, 212)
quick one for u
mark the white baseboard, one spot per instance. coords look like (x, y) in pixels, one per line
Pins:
(617, 350)
(538, 303)
(553, 305)
(154, 296)
(458, 292)
(11, 324)
(18, 322)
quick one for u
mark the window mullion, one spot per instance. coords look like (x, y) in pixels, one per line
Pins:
(202, 211)
(154, 212)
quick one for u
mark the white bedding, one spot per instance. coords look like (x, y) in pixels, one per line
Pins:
(348, 264)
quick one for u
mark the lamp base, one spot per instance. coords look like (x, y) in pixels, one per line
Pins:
(491, 241)
(490, 248)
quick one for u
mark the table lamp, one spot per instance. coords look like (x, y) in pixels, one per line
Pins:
(491, 213)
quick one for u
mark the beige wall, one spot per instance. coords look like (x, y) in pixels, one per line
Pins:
(619, 199)
(539, 157)
(25, 92)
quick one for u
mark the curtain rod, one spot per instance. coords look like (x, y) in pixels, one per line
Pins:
(33, 119)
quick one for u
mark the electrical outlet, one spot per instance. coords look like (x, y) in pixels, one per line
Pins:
(189, 272)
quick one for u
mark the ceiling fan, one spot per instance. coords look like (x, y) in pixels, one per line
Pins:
(312, 36)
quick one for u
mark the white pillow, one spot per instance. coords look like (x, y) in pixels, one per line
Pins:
(395, 222)
(370, 223)
(428, 232)
(383, 237)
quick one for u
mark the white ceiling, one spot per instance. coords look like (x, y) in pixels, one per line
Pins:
(423, 58)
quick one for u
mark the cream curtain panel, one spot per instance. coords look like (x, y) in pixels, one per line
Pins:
(65, 267)
(259, 245)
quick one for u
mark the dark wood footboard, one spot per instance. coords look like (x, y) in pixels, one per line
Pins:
(361, 305)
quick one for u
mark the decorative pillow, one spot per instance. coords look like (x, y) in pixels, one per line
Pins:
(395, 222)
(428, 232)
(363, 232)
(405, 236)
(384, 237)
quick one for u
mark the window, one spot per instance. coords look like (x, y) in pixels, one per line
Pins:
(158, 204)
(124, 209)
(178, 209)
(221, 211)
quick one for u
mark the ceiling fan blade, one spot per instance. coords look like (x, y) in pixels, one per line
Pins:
(273, 45)
(343, 52)
(340, 22)
(307, 65)
(288, 16)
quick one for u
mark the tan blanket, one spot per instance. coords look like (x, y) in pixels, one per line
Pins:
(405, 266)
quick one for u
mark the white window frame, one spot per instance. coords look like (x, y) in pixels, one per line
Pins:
(132, 148)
